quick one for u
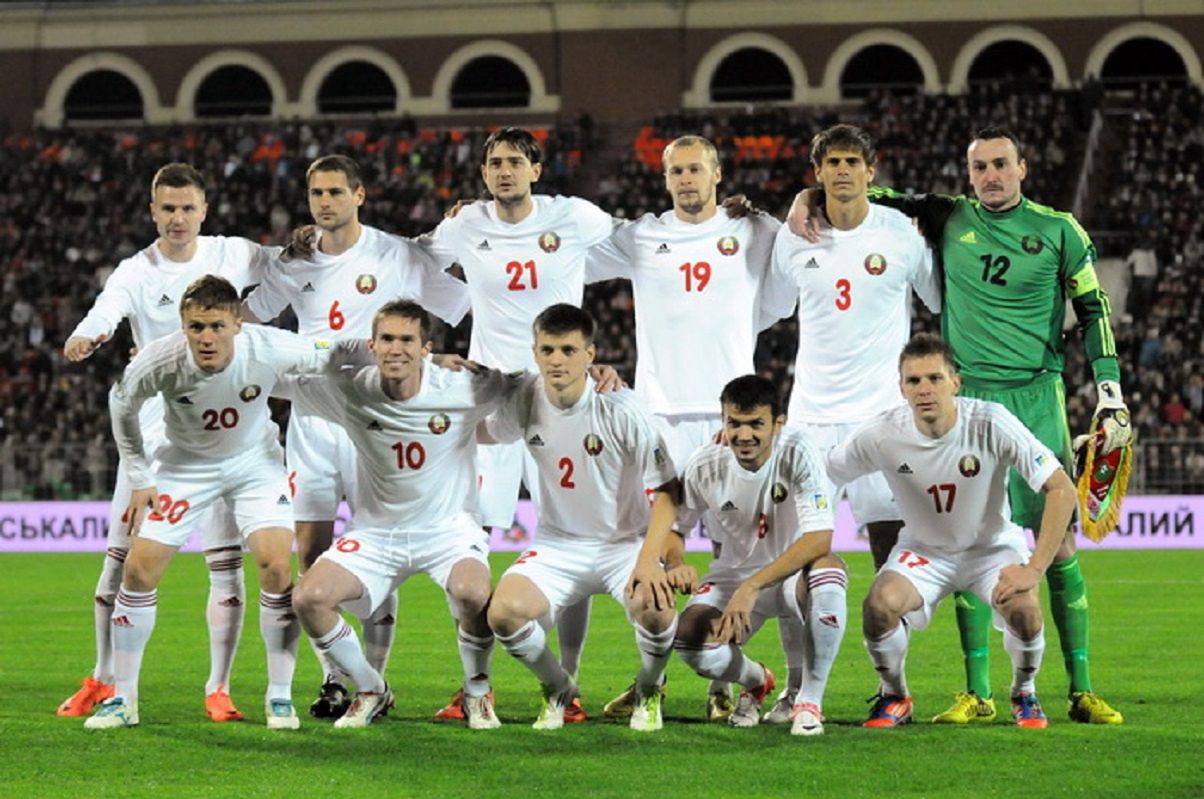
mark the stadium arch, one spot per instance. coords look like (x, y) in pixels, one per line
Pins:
(307, 103)
(960, 73)
(53, 112)
(699, 94)
(185, 109)
(1144, 30)
(830, 90)
(440, 101)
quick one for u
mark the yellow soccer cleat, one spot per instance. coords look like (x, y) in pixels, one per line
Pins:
(1088, 708)
(968, 707)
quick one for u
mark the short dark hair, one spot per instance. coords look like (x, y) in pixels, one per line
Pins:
(924, 344)
(843, 137)
(210, 292)
(748, 392)
(337, 163)
(178, 175)
(562, 318)
(406, 309)
(522, 140)
(999, 132)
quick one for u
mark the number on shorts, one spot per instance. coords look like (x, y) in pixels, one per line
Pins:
(226, 418)
(911, 559)
(347, 545)
(168, 511)
(950, 492)
(523, 558)
(409, 456)
(566, 477)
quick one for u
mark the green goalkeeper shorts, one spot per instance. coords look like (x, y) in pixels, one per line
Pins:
(1041, 406)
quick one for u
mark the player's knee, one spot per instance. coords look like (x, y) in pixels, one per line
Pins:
(506, 614)
(471, 596)
(693, 629)
(656, 621)
(1023, 616)
(275, 575)
(830, 561)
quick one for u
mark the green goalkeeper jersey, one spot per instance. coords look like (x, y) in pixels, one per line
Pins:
(1007, 277)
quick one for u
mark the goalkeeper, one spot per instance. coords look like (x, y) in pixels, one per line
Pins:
(1009, 266)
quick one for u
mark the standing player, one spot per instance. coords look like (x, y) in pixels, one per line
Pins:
(1009, 267)
(414, 428)
(854, 302)
(221, 444)
(336, 293)
(145, 289)
(765, 489)
(946, 459)
(693, 268)
(594, 453)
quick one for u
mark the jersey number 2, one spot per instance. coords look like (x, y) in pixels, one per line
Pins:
(566, 477)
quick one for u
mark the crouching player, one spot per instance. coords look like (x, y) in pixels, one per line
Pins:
(215, 377)
(414, 426)
(946, 459)
(594, 454)
(763, 492)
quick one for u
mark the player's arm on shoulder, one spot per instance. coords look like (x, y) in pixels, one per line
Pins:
(508, 422)
(612, 257)
(269, 297)
(930, 211)
(852, 458)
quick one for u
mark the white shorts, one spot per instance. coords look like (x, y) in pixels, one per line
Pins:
(935, 576)
(567, 571)
(869, 495)
(321, 463)
(684, 433)
(384, 559)
(778, 601)
(500, 469)
(254, 485)
(215, 523)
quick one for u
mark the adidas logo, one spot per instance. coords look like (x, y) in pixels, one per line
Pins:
(664, 248)
(386, 621)
(308, 288)
(184, 401)
(484, 245)
(165, 300)
(830, 620)
(374, 425)
(122, 621)
(811, 264)
(968, 238)
(232, 602)
(729, 505)
(283, 500)
(904, 469)
(535, 441)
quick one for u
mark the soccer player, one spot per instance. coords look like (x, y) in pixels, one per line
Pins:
(594, 453)
(765, 489)
(693, 268)
(336, 292)
(221, 444)
(414, 428)
(1009, 266)
(946, 459)
(145, 289)
(854, 290)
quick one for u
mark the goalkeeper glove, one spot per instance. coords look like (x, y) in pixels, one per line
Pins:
(1112, 416)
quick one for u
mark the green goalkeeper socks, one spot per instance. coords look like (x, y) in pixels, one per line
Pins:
(974, 626)
(1068, 603)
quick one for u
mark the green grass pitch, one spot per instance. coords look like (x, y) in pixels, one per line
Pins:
(1148, 620)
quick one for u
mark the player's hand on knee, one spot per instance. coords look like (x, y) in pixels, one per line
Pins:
(1013, 581)
(736, 622)
(648, 577)
(683, 578)
(142, 500)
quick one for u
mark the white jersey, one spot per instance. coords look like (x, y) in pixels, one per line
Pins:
(514, 271)
(594, 460)
(209, 416)
(952, 490)
(415, 458)
(702, 293)
(337, 295)
(854, 313)
(756, 516)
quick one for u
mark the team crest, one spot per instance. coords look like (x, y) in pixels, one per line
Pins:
(549, 242)
(1032, 245)
(875, 263)
(969, 466)
(249, 393)
(778, 494)
(728, 245)
(438, 424)
(365, 284)
(593, 444)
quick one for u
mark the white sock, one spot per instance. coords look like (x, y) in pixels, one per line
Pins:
(655, 651)
(475, 654)
(280, 630)
(224, 613)
(379, 629)
(888, 654)
(330, 670)
(107, 586)
(571, 627)
(133, 622)
(343, 647)
(724, 663)
(530, 645)
(827, 619)
(1026, 660)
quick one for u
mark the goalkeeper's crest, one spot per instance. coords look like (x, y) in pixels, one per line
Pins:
(1103, 481)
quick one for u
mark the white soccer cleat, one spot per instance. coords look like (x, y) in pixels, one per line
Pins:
(479, 712)
(281, 715)
(782, 709)
(807, 720)
(646, 715)
(366, 707)
(551, 717)
(113, 713)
